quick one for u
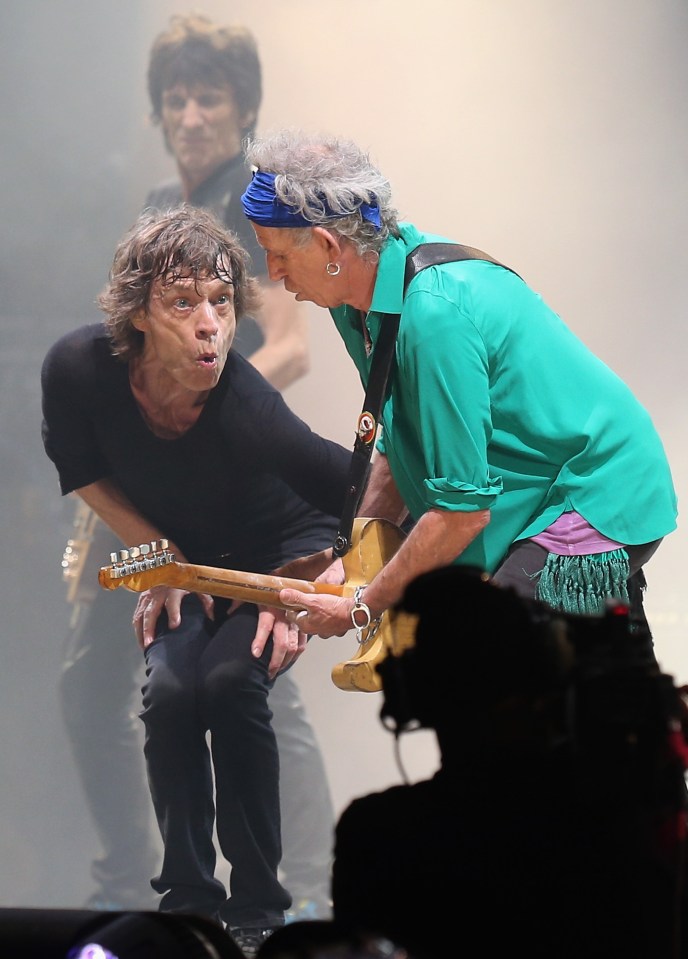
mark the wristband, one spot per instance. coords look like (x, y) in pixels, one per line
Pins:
(360, 607)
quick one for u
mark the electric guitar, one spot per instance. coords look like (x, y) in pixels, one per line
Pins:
(373, 543)
(76, 553)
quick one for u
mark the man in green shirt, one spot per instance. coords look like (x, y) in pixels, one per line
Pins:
(510, 445)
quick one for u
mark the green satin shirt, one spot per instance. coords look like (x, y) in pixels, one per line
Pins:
(495, 404)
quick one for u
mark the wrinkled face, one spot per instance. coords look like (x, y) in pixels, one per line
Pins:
(203, 128)
(302, 268)
(189, 327)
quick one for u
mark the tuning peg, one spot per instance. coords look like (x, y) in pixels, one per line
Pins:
(164, 543)
(145, 549)
(135, 552)
(124, 555)
(113, 558)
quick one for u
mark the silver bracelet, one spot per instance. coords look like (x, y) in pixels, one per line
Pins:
(360, 607)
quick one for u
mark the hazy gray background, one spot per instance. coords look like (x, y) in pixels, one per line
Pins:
(551, 133)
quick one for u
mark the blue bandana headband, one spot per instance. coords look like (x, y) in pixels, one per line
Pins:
(262, 206)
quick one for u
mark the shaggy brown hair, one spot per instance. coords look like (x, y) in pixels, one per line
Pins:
(184, 242)
(194, 51)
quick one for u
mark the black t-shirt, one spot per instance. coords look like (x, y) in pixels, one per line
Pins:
(249, 486)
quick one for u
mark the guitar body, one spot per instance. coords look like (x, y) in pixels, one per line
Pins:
(373, 543)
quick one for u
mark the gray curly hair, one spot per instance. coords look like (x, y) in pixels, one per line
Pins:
(313, 171)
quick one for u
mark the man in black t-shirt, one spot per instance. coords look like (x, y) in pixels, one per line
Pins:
(168, 434)
(205, 89)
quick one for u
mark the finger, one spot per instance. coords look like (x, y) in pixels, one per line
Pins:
(137, 619)
(266, 623)
(148, 619)
(173, 605)
(281, 658)
(208, 604)
(285, 636)
(292, 643)
(138, 629)
(276, 666)
(292, 597)
(303, 642)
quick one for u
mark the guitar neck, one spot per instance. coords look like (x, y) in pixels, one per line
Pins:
(251, 587)
(373, 543)
(229, 583)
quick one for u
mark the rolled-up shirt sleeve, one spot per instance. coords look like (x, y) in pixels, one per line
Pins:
(444, 493)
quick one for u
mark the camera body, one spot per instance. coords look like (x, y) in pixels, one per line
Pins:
(591, 686)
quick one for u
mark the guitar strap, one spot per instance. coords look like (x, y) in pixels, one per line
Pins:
(423, 256)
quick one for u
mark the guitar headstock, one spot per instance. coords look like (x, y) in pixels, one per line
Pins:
(134, 567)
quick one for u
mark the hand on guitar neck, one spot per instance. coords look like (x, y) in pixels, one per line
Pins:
(374, 541)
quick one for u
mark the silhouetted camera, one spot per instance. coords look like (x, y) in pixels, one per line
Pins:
(487, 663)
(623, 718)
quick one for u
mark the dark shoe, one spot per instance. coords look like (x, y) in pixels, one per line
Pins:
(250, 940)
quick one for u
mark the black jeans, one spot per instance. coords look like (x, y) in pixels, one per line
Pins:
(100, 692)
(202, 679)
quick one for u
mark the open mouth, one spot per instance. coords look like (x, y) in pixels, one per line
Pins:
(207, 359)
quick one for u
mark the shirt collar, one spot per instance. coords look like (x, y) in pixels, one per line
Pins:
(388, 295)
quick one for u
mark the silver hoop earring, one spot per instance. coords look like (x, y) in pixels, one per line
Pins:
(332, 269)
